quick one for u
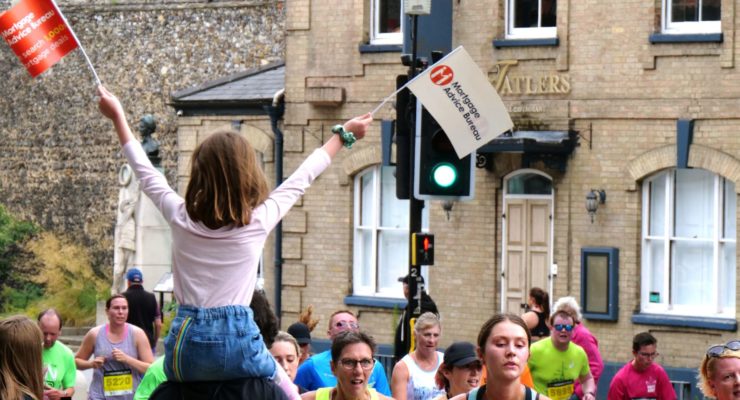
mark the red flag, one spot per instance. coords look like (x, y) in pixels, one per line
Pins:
(37, 33)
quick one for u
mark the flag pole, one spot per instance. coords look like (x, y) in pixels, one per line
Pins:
(87, 59)
(388, 98)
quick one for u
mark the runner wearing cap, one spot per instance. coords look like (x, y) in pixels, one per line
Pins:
(402, 342)
(143, 310)
(302, 335)
(460, 371)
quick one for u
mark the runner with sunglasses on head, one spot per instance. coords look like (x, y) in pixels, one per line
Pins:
(352, 362)
(316, 372)
(556, 363)
(642, 378)
(719, 373)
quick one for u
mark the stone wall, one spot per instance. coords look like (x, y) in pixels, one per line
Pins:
(59, 158)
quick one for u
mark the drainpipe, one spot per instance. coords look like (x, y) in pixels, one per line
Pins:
(276, 111)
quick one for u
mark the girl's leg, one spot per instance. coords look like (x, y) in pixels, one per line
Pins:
(283, 380)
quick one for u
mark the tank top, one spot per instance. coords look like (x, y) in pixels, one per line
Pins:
(479, 392)
(541, 329)
(115, 380)
(325, 393)
(421, 384)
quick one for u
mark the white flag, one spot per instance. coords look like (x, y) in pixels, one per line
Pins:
(458, 95)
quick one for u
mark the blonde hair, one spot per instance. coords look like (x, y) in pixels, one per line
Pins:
(21, 371)
(226, 183)
(707, 370)
(570, 306)
(288, 338)
(425, 321)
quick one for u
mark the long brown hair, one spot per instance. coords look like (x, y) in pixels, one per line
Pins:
(226, 183)
(21, 370)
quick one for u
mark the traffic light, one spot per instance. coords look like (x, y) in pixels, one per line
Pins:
(422, 252)
(438, 173)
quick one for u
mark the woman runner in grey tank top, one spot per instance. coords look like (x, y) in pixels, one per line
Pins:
(121, 354)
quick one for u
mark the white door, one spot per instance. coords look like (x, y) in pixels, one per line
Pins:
(527, 237)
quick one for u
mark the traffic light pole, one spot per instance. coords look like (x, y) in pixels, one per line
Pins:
(413, 308)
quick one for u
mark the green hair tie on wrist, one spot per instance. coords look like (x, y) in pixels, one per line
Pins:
(348, 138)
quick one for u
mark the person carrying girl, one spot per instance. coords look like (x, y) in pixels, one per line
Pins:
(218, 232)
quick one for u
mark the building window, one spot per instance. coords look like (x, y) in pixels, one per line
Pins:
(691, 16)
(527, 19)
(688, 245)
(387, 22)
(381, 234)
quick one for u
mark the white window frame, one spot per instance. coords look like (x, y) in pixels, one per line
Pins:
(527, 33)
(371, 288)
(381, 38)
(669, 27)
(668, 238)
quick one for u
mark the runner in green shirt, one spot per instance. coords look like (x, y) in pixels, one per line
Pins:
(59, 361)
(556, 363)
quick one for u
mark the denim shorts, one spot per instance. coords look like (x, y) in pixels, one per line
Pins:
(216, 344)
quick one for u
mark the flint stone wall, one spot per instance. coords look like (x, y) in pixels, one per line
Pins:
(59, 158)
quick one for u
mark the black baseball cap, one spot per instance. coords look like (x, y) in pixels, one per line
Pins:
(300, 332)
(459, 354)
(407, 279)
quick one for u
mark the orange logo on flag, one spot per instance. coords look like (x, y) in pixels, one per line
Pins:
(36, 32)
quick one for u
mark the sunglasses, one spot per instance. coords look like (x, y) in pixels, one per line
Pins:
(718, 349)
(560, 327)
(350, 364)
(347, 324)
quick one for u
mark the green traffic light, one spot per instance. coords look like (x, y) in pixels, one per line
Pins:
(444, 175)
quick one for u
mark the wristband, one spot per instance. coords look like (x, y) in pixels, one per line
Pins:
(348, 138)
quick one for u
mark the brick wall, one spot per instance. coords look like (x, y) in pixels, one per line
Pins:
(624, 98)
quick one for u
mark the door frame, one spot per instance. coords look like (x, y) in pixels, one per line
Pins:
(506, 196)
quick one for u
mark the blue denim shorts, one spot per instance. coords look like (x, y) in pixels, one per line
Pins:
(216, 344)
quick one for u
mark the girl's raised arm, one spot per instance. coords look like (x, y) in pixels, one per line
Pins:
(357, 125)
(111, 108)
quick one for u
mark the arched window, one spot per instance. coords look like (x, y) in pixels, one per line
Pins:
(688, 243)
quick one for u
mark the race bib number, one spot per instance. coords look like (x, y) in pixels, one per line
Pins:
(118, 383)
(560, 390)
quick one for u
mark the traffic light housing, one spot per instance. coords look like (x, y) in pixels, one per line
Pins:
(438, 173)
(405, 113)
(422, 252)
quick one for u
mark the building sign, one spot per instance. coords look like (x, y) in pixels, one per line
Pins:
(508, 84)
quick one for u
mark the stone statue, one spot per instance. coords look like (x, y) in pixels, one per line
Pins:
(147, 126)
(125, 235)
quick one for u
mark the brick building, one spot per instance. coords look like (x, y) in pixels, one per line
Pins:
(637, 102)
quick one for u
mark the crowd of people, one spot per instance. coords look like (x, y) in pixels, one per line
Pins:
(506, 363)
(224, 343)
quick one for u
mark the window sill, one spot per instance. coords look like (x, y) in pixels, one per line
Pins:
(721, 324)
(379, 302)
(658, 38)
(380, 48)
(499, 43)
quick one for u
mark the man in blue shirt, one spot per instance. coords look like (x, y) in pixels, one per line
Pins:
(316, 373)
